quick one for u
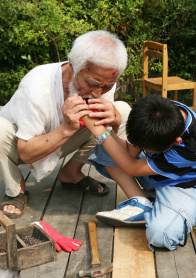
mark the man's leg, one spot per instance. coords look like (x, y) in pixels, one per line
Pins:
(10, 174)
(82, 143)
(85, 143)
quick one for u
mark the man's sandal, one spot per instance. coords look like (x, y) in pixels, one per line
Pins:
(85, 182)
(19, 201)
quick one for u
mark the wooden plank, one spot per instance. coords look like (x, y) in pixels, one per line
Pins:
(165, 264)
(155, 85)
(173, 83)
(38, 195)
(62, 214)
(12, 258)
(132, 256)
(9, 226)
(91, 205)
(156, 45)
(185, 260)
(193, 236)
(177, 263)
(180, 86)
(180, 81)
(154, 54)
(39, 192)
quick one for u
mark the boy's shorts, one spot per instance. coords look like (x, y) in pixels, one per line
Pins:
(100, 158)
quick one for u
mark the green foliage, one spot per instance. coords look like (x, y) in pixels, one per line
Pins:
(41, 31)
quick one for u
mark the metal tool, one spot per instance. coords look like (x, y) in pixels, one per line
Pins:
(96, 270)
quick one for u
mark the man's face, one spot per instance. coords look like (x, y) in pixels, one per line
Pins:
(93, 81)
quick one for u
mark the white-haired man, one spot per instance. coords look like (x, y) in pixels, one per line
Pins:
(41, 122)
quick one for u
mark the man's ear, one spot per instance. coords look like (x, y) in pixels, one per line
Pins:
(71, 67)
(178, 141)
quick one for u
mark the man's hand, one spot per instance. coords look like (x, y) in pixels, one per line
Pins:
(73, 109)
(108, 113)
(42, 145)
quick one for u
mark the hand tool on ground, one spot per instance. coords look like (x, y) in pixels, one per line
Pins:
(96, 270)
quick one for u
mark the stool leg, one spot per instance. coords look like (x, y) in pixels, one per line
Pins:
(164, 92)
(194, 98)
(175, 95)
(145, 91)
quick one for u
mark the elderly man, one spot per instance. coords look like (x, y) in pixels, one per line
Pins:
(41, 122)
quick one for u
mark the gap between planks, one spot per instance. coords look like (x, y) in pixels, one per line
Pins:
(132, 256)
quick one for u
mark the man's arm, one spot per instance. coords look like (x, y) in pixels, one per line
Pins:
(40, 146)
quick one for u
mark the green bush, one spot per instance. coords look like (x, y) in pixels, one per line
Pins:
(41, 31)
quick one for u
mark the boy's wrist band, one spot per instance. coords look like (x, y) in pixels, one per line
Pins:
(100, 139)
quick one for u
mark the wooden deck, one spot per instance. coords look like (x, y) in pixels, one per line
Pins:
(69, 211)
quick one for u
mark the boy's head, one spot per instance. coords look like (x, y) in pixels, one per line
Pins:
(154, 123)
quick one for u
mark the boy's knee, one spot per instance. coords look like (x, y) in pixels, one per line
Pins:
(167, 235)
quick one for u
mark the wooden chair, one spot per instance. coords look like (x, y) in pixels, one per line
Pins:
(164, 83)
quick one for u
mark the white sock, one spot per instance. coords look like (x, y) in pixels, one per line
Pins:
(144, 201)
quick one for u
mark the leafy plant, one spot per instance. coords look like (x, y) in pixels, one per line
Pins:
(41, 31)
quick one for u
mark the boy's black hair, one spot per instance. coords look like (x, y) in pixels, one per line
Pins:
(154, 123)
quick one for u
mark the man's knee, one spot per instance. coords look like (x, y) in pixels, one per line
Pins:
(124, 109)
(165, 234)
(7, 136)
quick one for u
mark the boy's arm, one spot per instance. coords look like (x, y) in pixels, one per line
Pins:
(127, 163)
(120, 141)
(132, 150)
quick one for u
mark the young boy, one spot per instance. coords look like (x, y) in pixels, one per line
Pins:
(165, 131)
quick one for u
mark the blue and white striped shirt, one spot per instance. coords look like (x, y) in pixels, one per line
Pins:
(177, 166)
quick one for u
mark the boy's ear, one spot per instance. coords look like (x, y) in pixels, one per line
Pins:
(178, 141)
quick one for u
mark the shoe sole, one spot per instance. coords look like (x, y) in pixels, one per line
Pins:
(119, 223)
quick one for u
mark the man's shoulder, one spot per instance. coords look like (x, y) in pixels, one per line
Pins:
(41, 70)
(40, 79)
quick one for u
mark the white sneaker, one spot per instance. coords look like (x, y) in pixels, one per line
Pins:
(128, 213)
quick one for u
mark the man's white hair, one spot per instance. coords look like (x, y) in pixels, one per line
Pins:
(100, 48)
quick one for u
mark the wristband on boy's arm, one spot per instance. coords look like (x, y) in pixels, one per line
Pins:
(100, 139)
